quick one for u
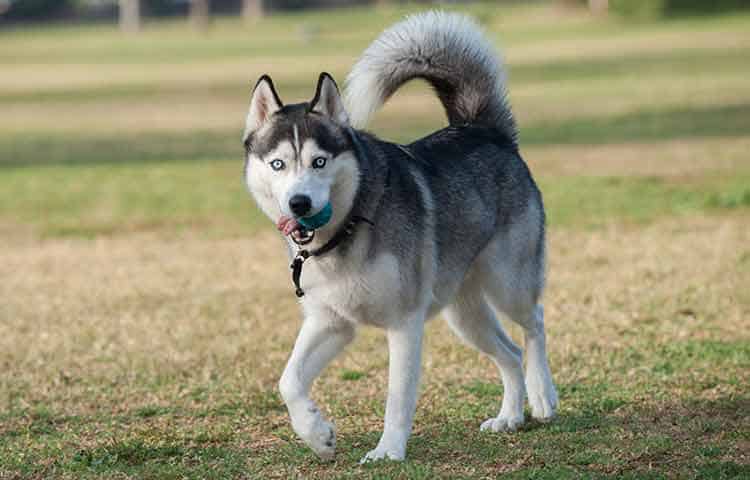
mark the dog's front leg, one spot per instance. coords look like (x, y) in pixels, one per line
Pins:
(404, 352)
(318, 342)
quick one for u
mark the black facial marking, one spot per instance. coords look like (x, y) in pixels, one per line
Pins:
(328, 135)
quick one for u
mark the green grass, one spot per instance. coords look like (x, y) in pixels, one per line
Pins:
(26, 149)
(725, 121)
(102, 199)
(146, 315)
(108, 199)
(596, 200)
(605, 427)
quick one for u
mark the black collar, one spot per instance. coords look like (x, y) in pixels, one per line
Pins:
(343, 233)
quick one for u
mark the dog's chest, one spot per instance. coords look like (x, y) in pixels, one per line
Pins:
(361, 292)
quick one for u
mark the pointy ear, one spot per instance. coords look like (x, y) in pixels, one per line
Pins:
(264, 103)
(327, 100)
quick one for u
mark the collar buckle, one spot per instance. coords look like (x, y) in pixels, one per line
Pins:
(296, 267)
(302, 254)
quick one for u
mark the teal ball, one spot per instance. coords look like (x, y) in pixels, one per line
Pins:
(314, 222)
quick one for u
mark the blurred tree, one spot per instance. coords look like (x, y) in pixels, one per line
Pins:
(34, 9)
(200, 13)
(252, 9)
(130, 15)
(598, 7)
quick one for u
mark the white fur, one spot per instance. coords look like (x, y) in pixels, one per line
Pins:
(434, 34)
(319, 341)
(362, 291)
(273, 189)
(404, 357)
(342, 295)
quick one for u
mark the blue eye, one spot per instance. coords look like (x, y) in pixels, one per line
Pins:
(319, 162)
(277, 164)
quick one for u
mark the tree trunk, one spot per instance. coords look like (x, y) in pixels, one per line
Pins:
(200, 14)
(130, 15)
(253, 9)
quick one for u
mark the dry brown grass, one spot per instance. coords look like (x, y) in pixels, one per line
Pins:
(651, 41)
(26, 78)
(188, 96)
(202, 109)
(33, 77)
(106, 308)
(113, 327)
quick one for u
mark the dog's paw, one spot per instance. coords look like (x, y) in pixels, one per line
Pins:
(502, 423)
(320, 436)
(383, 453)
(543, 404)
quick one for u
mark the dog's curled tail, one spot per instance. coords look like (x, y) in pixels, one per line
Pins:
(451, 53)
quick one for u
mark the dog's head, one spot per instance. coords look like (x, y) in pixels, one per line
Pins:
(299, 159)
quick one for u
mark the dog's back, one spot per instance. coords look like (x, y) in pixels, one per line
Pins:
(478, 186)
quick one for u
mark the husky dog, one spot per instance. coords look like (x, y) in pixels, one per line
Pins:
(390, 235)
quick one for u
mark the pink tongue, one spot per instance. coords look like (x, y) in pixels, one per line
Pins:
(287, 225)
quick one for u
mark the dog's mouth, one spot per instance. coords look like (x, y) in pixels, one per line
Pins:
(290, 226)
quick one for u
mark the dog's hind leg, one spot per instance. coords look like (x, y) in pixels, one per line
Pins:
(514, 291)
(539, 385)
(318, 342)
(474, 321)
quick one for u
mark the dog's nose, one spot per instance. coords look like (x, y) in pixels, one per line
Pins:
(300, 205)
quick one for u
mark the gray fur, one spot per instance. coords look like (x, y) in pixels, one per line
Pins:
(448, 51)
(458, 228)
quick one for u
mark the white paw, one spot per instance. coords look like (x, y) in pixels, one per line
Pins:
(543, 400)
(502, 423)
(384, 453)
(320, 436)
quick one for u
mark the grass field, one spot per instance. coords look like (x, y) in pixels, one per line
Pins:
(146, 311)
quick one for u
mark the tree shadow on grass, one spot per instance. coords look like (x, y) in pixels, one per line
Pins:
(33, 149)
(647, 125)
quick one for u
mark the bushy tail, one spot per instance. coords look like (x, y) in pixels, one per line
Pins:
(450, 52)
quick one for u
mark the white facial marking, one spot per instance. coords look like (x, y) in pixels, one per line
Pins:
(296, 140)
(270, 187)
(314, 183)
(336, 182)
